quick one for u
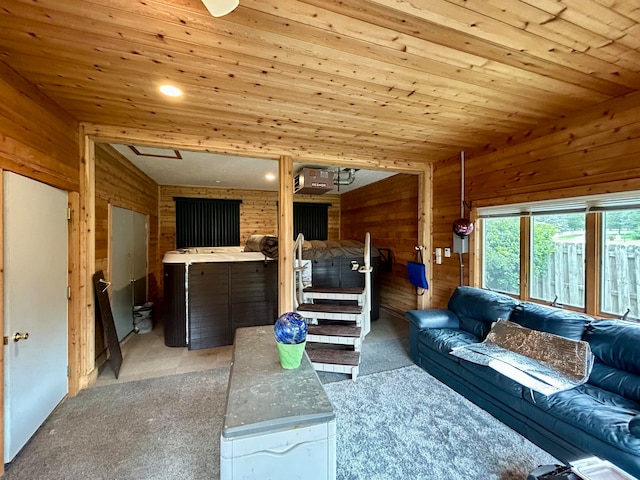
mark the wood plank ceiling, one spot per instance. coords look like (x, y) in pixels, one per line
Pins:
(406, 80)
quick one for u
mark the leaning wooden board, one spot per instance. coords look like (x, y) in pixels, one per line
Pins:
(101, 288)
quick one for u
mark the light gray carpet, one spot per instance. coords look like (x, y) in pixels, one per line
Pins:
(377, 356)
(155, 429)
(405, 424)
(400, 424)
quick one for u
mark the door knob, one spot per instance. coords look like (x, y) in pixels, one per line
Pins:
(20, 336)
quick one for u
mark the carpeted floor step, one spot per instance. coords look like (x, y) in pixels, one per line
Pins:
(348, 290)
(333, 357)
(334, 330)
(335, 293)
(330, 308)
(335, 335)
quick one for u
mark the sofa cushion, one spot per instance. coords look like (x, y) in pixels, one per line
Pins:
(565, 323)
(615, 380)
(478, 308)
(615, 343)
(500, 384)
(598, 413)
(589, 409)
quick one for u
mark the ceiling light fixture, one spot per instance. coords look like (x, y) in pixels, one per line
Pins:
(171, 90)
(270, 176)
(219, 8)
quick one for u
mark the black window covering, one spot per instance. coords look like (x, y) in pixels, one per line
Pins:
(312, 220)
(207, 222)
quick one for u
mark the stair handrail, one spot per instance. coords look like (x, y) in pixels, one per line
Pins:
(366, 269)
(298, 267)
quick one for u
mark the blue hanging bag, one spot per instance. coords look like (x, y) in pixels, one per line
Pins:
(418, 273)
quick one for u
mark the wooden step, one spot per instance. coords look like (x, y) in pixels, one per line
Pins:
(335, 335)
(333, 357)
(330, 308)
(334, 293)
(349, 290)
(334, 330)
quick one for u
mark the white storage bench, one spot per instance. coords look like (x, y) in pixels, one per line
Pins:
(279, 424)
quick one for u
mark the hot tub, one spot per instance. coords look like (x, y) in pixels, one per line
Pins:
(211, 291)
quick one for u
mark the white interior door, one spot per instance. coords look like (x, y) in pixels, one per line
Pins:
(128, 267)
(35, 302)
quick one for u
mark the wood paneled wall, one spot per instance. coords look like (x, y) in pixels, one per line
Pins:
(119, 183)
(388, 210)
(589, 153)
(446, 209)
(258, 211)
(37, 138)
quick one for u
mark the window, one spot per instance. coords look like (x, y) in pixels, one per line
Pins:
(205, 222)
(501, 254)
(581, 253)
(620, 267)
(557, 258)
(312, 220)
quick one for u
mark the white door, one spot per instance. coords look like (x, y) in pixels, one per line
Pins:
(129, 266)
(35, 303)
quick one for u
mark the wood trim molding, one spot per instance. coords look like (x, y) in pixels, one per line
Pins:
(75, 302)
(425, 229)
(110, 133)
(475, 252)
(525, 256)
(85, 323)
(593, 262)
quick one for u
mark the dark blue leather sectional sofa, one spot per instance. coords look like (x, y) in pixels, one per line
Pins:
(599, 418)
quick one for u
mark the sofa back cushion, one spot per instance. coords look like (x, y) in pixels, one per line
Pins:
(615, 346)
(616, 381)
(551, 320)
(477, 309)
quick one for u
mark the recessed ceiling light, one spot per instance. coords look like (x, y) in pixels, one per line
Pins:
(171, 90)
(270, 176)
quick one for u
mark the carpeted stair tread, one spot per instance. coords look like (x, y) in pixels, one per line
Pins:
(334, 357)
(329, 308)
(348, 290)
(334, 330)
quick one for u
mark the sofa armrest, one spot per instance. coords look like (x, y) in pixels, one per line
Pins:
(433, 318)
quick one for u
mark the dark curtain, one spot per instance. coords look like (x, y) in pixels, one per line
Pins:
(312, 220)
(206, 222)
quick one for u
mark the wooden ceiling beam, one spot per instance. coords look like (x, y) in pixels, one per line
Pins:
(114, 134)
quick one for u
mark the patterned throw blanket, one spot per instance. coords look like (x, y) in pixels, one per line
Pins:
(542, 361)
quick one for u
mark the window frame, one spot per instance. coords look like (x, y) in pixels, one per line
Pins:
(531, 233)
(593, 208)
